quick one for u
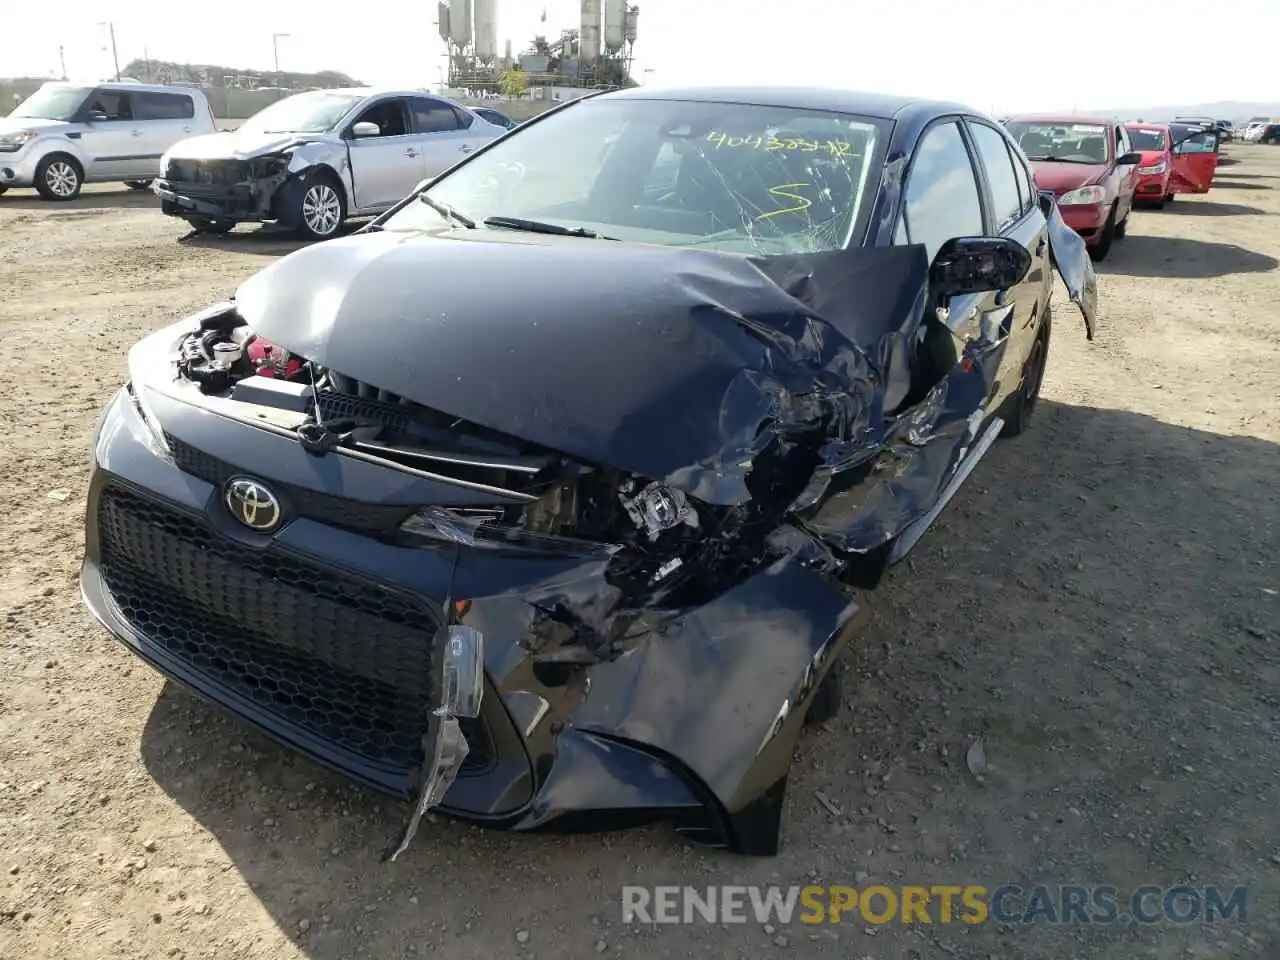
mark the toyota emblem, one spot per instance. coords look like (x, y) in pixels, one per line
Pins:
(252, 504)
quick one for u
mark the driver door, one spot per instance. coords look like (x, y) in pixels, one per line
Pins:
(942, 200)
(385, 167)
(1195, 160)
(114, 147)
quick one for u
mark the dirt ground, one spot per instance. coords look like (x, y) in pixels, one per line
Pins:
(1099, 605)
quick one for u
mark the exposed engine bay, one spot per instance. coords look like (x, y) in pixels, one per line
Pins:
(665, 550)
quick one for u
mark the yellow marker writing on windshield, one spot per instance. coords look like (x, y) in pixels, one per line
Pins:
(782, 191)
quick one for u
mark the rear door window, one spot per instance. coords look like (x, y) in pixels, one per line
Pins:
(1005, 196)
(164, 106)
(433, 116)
(942, 196)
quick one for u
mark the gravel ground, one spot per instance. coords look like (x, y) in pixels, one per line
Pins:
(1099, 606)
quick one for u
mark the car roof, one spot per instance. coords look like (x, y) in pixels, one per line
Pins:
(1146, 125)
(832, 99)
(127, 86)
(1061, 118)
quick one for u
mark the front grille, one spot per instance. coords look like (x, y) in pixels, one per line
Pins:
(338, 656)
(375, 519)
(208, 172)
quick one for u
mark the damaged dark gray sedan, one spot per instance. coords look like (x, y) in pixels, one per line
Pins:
(551, 499)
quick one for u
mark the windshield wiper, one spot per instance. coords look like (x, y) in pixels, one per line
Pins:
(1065, 159)
(446, 211)
(539, 226)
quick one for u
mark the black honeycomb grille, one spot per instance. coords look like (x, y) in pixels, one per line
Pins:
(377, 519)
(344, 659)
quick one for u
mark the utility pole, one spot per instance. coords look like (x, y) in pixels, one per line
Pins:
(275, 50)
(62, 60)
(115, 59)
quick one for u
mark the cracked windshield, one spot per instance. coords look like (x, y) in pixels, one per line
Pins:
(716, 176)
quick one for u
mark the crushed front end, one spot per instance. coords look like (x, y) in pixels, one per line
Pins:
(458, 562)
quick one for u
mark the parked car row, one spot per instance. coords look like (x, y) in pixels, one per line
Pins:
(1100, 169)
(308, 161)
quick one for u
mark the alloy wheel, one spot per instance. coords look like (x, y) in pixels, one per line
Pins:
(321, 209)
(61, 178)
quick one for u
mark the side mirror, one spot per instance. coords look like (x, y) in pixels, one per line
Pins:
(1131, 159)
(96, 116)
(365, 128)
(978, 265)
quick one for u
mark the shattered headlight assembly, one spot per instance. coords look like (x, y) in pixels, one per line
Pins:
(1158, 167)
(261, 168)
(1083, 196)
(484, 529)
(15, 140)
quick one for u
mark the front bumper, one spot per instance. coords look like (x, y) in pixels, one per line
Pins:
(1086, 219)
(180, 199)
(18, 169)
(317, 636)
(1152, 186)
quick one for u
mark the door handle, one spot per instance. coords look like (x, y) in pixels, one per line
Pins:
(411, 153)
(466, 148)
(137, 133)
(186, 129)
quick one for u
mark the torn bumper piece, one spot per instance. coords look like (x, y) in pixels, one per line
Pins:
(461, 687)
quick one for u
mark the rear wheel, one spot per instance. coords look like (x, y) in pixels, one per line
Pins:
(137, 184)
(210, 225)
(1019, 407)
(2, 190)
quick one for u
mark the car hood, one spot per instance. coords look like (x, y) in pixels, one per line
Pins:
(14, 124)
(237, 145)
(680, 365)
(1061, 177)
(673, 364)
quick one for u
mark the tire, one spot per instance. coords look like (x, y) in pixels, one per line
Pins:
(137, 184)
(1169, 197)
(1018, 408)
(1099, 252)
(59, 177)
(210, 225)
(2, 190)
(1123, 226)
(319, 207)
(827, 699)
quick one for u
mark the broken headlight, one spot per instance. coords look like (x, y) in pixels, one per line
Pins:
(485, 529)
(263, 167)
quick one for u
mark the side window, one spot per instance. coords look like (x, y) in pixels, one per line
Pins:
(433, 116)
(942, 198)
(164, 106)
(116, 104)
(1026, 183)
(465, 119)
(999, 166)
(389, 115)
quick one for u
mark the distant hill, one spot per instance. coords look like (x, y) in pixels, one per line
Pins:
(1234, 110)
(212, 75)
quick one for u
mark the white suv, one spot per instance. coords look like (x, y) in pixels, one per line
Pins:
(65, 135)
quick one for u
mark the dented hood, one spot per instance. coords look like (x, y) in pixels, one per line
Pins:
(663, 362)
(237, 145)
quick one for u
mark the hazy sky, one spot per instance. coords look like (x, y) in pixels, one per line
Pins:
(995, 55)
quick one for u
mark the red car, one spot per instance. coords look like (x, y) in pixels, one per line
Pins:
(1155, 174)
(1090, 165)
